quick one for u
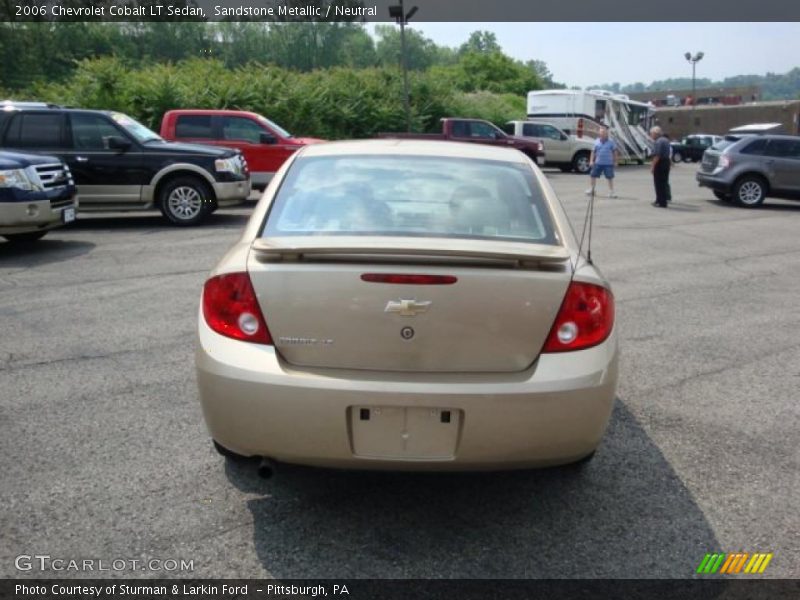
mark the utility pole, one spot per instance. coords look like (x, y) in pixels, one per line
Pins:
(694, 60)
(397, 12)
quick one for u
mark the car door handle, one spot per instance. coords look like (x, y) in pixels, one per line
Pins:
(82, 158)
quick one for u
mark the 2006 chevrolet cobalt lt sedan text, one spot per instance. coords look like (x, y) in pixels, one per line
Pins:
(407, 305)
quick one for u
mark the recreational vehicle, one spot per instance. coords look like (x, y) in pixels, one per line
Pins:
(582, 113)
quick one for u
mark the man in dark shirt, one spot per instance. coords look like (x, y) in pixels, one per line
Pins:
(660, 167)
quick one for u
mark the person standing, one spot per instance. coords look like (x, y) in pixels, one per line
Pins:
(660, 167)
(602, 162)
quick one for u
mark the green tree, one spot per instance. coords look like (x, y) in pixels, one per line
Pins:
(494, 72)
(421, 52)
(481, 42)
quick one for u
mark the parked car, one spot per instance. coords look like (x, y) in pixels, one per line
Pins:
(691, 147)
(407, 304)
(750, 168)
(476, 131)
(265, 145)
(37, 194)
(567, 152)
(119, 164)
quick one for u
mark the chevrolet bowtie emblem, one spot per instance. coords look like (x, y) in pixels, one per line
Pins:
(407, 308)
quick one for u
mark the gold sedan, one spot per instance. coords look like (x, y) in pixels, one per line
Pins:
(404, 304)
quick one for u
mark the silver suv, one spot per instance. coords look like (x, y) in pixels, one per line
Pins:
(747, 169)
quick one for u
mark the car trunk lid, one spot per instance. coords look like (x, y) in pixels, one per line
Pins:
(328, 301)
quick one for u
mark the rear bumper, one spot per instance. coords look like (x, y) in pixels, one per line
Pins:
(38, 215)
(255, 404)
(715, 182)
(230, 193)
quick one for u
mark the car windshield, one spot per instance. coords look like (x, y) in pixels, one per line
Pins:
(136, 129)
(419, 196)
(275, 127)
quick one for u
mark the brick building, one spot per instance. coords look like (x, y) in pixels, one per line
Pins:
(679, 121)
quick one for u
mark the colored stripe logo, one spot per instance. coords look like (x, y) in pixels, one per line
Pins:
(734, 563)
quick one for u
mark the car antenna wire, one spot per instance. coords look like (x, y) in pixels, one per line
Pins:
(588, 222)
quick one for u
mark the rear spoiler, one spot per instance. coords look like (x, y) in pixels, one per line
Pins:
(392, 249)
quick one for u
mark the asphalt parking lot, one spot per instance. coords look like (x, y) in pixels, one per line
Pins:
(104, 453)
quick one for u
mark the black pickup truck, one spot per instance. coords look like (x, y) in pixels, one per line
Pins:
(120, 165)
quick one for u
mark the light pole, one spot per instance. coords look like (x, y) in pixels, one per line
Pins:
(694, 60)
(397, 12)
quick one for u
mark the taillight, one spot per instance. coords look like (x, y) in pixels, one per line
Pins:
(230, 308)
(585, 319)
(580, 128)
(541, 147)
(409, 279)
(724, 162)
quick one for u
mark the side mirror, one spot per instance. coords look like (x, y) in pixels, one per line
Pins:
(564, 138)
(115, 142)
(267, 138)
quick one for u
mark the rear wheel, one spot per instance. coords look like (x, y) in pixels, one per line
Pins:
(750, 191)
(580, 163)
(186, 200)
(24, 238)
(677, 156)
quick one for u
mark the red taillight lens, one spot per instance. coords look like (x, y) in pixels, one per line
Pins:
(230, 308)
(409, 279)
(585, 319)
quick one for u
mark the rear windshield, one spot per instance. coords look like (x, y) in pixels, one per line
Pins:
(419, 196)
(728, 140)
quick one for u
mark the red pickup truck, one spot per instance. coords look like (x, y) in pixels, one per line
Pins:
(478, 132)
(264, 144)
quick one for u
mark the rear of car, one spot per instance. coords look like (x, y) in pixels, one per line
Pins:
(37, 194)
(407, 305)
(748, 168)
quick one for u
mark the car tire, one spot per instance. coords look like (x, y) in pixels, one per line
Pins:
(186, 201)
(228, 454)
(750, 191)
(677, 156)
(24, 238)
(580, 163)
(722, 196)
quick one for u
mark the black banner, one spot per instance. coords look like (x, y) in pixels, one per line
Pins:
(378, 10)
(390, 589)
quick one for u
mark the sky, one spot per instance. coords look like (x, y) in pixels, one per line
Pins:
(584, 54)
